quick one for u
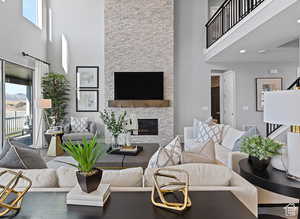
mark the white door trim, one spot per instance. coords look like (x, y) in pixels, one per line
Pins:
(234, 97)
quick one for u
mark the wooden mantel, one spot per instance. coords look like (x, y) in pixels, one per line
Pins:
(138, 103)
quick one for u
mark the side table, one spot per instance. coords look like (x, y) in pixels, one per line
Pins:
(55, 148)
(272, 180)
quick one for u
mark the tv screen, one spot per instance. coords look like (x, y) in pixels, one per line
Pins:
(139, 85)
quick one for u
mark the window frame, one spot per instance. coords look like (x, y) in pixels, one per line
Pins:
(38, 14)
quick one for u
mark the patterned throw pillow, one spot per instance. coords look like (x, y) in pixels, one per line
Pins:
(169, 155)
(79, 124)
(197, 124)
(208, 132)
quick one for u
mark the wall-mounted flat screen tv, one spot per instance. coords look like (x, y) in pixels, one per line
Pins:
(139, 85)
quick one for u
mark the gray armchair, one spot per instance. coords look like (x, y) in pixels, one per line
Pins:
(77, 137)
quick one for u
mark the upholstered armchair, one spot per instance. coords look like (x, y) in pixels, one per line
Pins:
(77, 137)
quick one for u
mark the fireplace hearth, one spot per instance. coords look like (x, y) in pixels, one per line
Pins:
(147, 126)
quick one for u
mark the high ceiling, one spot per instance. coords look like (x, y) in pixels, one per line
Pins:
(274, 41)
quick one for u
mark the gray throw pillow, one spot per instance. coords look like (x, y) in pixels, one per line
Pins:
(22, 158)
(4, 149)
(249, 133)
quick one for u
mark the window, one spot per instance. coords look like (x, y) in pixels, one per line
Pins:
(32, 10)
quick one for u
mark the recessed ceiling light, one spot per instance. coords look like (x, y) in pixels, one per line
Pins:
(298, 21)
(262, 51)
(243, 51)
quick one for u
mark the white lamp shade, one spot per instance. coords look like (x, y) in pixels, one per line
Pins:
(282, 107)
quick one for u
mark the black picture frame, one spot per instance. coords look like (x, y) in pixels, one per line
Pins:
(96, 69)
(80, 108)
(274, 80)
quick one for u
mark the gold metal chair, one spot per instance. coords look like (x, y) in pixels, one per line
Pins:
(6, 191)
(171, 187)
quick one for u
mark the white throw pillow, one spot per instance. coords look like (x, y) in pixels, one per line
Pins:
(168, 155)
(208, 132)
(197, 124)
(230, 136)
(79, 124)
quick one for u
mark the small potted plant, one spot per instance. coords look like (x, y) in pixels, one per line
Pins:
(86, 154)
(260, 151)
(115, 126)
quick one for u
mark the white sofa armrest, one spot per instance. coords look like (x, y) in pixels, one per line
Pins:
(234, 159)
(245, 192)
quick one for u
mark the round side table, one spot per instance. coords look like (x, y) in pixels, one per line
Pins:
(271, 180)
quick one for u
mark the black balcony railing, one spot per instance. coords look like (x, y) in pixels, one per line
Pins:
(227, 16)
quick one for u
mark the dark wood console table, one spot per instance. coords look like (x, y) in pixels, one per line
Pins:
(134, 205)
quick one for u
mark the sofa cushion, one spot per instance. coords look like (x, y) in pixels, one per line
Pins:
(41, 178)
(199, 175)
(230, 136)
(249, 133)
(222, 154)
(168, 155)
(19, 157)
(132, 177)
(5, 149)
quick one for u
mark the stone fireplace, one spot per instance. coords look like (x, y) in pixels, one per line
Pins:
(139, 37)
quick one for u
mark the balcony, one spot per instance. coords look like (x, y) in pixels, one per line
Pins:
(227, 16)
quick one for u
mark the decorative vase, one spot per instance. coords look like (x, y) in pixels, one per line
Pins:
(115, 143)
(89, 182)
(128, 139)
(259, 165)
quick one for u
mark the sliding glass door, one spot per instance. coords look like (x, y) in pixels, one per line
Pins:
(17, 102)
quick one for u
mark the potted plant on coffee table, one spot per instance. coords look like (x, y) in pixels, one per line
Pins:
(260, 151)
(86, 154)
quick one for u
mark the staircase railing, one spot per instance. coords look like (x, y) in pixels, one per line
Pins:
(226, 17)
(271, 128)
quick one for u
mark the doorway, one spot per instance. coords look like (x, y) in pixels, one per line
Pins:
(17, 103)
(223, 98)
(216, 98)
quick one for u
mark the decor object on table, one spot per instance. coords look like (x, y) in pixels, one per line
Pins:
(75, 132)
(290, 210)
(263, 85)
(260, 151)
(96, 198)
(168, 155)
(131, 127)
(87, 101)
(174, 186)
(86, 154)
(56, 87)
(114, 125)
(87, 77)
(282, 107)
(11, 199)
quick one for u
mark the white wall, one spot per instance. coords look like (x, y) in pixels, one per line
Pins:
(192, 74)
(246, 73)
(17, 34)
(82, 23)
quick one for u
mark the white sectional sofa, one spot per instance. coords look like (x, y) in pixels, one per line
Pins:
(203, 177)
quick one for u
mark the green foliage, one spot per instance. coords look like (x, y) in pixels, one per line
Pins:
(114, 125)
(261, 148)
(56, 87)
(86, 154)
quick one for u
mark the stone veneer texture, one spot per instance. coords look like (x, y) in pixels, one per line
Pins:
(139, 37)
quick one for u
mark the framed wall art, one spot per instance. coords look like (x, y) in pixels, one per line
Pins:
(263, 85)
(87, 100)
(87, 77)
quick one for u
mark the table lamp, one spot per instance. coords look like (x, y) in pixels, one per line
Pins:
(282, 107)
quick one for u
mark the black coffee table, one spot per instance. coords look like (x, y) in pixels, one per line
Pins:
(115, 161)
(133, 205)
(272, 180)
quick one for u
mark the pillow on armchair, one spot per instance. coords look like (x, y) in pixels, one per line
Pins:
(79, 124)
